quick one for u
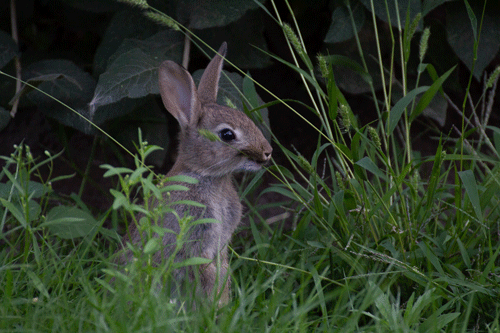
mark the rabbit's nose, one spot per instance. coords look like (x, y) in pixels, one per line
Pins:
(266, 153)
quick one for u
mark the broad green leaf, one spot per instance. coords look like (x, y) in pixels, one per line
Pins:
(250, 92)
(67, 83)
(461, 37)
(125, 24)
(15, 211)
(69, 222)
(132, 74)
(429, 95)
(381, 10)
(149, 116)
(34, 211)
(260, 116)
(367, 164)
(163, 45)
(34, 190)
(429, 5)
(8, 49)
(398, 109)
(470, 185)
(243, 38)
(5, 190)
(214, 13)
(152, 246)
(4, 118)
(299, 70)
(341, 27)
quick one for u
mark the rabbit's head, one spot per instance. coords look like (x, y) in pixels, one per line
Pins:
(234, 142)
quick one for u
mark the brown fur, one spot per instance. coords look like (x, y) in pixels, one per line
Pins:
(212, 164)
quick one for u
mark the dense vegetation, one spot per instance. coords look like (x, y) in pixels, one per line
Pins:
(387, 221)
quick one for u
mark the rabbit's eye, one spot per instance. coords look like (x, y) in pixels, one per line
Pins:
(227, 135)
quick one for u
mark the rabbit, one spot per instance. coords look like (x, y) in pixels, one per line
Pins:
(241, 146)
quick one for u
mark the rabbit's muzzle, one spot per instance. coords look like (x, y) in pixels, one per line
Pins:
(260, 156)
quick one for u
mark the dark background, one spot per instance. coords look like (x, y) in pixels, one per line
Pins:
(73, 30)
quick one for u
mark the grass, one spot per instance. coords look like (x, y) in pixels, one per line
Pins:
(375, 246)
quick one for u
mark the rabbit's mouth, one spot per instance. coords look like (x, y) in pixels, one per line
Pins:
(251, 163)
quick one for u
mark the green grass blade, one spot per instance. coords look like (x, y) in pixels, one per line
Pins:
(368, 164)
(38, 284)
(469, 181)
(472, 18)
(429, 95)
(15, 211)
(400, 106)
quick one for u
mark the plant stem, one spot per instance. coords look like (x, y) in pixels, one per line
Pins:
(17, 61)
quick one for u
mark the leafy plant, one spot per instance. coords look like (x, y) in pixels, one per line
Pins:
(377, 235)
(368, 199)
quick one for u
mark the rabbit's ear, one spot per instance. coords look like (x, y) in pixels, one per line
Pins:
(209, 83)
(178, 92)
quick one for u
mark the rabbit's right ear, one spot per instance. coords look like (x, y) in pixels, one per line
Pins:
(209, 82)
(178, 92)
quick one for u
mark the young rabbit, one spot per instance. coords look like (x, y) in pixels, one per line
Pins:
(241, 147)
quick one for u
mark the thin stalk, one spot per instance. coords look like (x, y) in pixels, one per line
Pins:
(187, 49)
(321, 110)
(17, 61)
(87, 168)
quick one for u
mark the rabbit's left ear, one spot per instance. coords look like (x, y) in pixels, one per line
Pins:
(178, 93)
(209, 83)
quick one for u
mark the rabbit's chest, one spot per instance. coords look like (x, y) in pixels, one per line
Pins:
(224, 207)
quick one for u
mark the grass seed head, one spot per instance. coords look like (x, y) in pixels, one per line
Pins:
(424, 43)
(293, 38)
(209, 135)
(372, 132)
(493, 77)
(143, 4)
(323, 66)
(163, 20)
